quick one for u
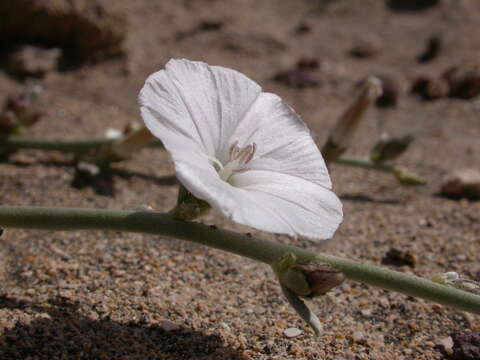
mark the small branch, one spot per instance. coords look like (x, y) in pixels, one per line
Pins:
(403, 176)
(365, 164)
(265, 251)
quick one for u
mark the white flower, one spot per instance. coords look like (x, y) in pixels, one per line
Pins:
(243, 151)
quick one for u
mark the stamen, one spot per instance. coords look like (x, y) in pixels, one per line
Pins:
(241, 170)
(253, 148)
(234, 150)
(237, 158)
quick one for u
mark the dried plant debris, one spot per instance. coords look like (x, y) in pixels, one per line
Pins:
(432, 50)
(303, 75)
(391, 91)
(89, 29)
(430, 88)
(89, 175)
(464, 81)
(400, 257)
(459, 81)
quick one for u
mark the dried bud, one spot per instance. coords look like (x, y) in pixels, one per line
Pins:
(389, 148)
(310, 279)
(342, 134)
(320, 277)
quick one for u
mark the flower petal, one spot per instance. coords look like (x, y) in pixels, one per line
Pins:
(286, 204)
(199, 111)
(283, 141)
(264, 200)
(191, 104)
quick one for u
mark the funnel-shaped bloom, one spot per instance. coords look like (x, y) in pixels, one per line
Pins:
(243, 151)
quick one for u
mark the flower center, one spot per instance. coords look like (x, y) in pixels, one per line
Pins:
(237, 159)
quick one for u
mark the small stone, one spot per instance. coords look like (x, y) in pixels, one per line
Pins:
(430, 89)
(112, 133)
(303, 75)
(366, 312)
(87, 29)
(359, 337)
(292, 332)
(464, 81)
(367, 47)
(89, 168)
(303, 28)
(33, 61)
(446, 344)
(464, 183)
(168, 325)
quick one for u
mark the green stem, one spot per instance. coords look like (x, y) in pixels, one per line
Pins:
(365, 164)
(74, 146)
(122, 148)
(261, 250)
(403, 176)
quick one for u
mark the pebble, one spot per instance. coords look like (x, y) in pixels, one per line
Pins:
(33, 61)
(168, 325)
(367, 46)
(462, 183)
(359, 337)
(292, 332)
(446, 344)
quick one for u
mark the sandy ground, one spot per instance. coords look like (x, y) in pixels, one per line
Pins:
(95, 295)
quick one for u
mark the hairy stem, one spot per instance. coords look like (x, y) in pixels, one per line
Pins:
(257, 249)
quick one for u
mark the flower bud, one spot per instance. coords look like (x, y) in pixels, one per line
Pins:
(320, 277)
(309, 279)
(342, 134)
